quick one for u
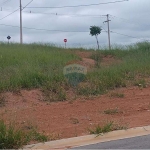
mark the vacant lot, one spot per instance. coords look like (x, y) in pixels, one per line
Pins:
(34, 91)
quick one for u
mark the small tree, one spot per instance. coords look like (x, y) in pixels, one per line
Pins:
(95, 31)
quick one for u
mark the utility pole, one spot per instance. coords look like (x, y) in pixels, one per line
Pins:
(108, 31)
(21, 23)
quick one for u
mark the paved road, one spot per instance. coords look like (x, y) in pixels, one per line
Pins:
(142, 142)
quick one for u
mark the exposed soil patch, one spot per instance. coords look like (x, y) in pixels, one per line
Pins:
(73, 118)
(84, 54)
(88, 62)
(85, 59)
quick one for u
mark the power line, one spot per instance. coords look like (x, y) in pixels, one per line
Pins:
(9, 14)
(48, 30)
(70, 15)
(82, 5)
(41, 13)
(64, 31)
(67, 15)
(42, 29)
(125, 35)
(58, 14)
(127, 20)
(119, 18)
(27, 4)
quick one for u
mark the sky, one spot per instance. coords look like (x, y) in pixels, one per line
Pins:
(129, 21)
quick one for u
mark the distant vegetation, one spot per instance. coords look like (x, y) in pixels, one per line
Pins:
(41, 66)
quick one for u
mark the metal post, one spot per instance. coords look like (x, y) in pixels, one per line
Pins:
(21, 23)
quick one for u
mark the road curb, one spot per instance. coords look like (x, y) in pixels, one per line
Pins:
(91, 139)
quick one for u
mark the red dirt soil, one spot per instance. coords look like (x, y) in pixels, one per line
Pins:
(73, 117)
(89, 63)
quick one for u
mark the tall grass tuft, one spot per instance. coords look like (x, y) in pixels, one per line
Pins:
(12, 137)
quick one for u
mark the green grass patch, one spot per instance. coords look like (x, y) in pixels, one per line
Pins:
(135, 61)
(10, 138)
(97, 56)
(31, 66)
(141, 83)
(14, 138)
(108, 127)
(41, 66)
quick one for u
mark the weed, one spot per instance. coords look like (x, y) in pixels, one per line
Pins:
(118, 95)
(36, 136)
(12, 137)
(111, 111)
(33, 134)
(141, 83)
(97, 56)
(110, 126)
(53, 92)
(62, 95)
(104, 129)
(54, 136)
(74, 120)
(119, 127)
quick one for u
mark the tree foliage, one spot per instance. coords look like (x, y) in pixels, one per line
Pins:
(95, 31)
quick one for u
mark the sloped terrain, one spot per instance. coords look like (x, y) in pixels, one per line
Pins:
(127, 106)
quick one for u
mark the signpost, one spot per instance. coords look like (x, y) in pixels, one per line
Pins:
(8, 37)
(65, 40)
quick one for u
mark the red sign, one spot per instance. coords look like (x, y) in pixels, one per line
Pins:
(65, 40)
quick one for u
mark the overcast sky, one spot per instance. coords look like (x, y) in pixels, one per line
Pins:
(128, 18)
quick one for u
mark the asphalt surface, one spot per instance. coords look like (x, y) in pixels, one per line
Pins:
(141, 142)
